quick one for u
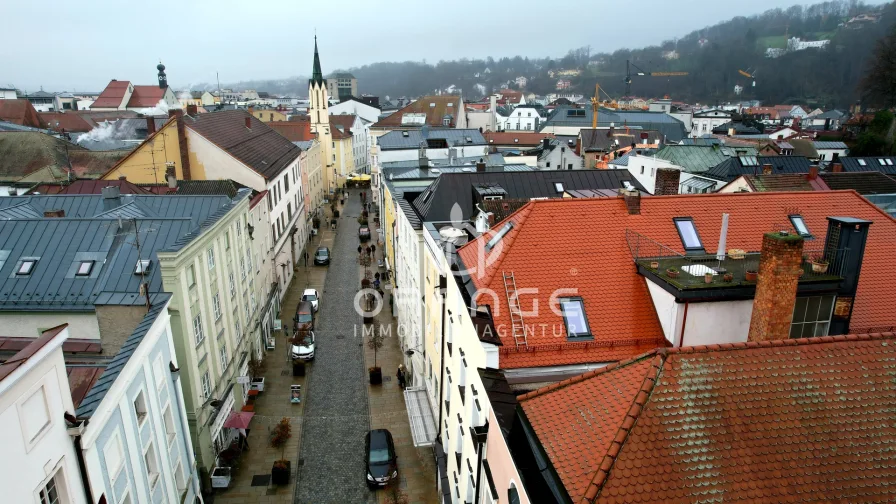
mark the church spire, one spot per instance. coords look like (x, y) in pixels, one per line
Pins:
(317, 77)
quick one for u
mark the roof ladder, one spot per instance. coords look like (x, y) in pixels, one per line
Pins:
(516, 315)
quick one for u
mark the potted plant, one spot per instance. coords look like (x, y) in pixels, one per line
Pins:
(654, 265)
(820, 264)
(751, 275)
(280, 434)
(707, 278)
(672, 272)
(365, 283)
(256, 369)
(375, 342)
(728, 277)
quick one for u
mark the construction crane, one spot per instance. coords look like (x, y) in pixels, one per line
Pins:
(643, 73)
(595, 104)
(750, 74)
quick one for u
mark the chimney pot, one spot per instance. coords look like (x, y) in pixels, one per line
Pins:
(767, 169)
(248, 122)
(813, 172)
(779, 272)
(837, 167)
(122, 177)
(480, 166)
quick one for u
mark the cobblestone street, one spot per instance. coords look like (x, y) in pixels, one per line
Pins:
(331, 458)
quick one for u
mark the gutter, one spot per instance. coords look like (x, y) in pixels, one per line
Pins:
(76, 431)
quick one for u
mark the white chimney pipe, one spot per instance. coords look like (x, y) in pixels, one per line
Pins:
(720, 253)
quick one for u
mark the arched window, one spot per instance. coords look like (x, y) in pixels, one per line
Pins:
(513, 497)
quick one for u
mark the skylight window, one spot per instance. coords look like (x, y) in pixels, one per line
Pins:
(85, 268)
(889, 162)
(26, 267)
(500, 234)
(800, 225)
(573, 310)
(558, 186)
(688, 233)
(862, 162)
(142, 266)
(882, 162)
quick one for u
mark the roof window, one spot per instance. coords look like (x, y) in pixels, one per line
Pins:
(432, 104)
(573, 310)
(882, 162)
(688, 233)
(26, 267)
(800, 226)
(142, 266)
(889, 162)
(558, 186)
(862, 162)
(500, 234)
(84, 268)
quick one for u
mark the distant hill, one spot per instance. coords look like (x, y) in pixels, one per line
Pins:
(712, 56)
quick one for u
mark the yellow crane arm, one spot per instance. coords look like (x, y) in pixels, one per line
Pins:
(745, 74)
(668, 74)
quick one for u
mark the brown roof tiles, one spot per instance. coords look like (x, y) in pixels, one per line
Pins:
(435, 108)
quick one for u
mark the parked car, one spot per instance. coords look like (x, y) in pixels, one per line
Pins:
(305, 350)
(322, 256)
(312, 297)
(363, 233)
(382, 463)
(304, 317)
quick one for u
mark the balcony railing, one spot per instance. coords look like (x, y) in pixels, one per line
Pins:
(732, 269)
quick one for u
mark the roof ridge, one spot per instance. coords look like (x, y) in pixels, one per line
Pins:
(631, 417)
(747, 345)
(586, 376)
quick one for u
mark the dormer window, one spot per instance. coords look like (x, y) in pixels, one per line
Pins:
(688, 233)
(573, 310)
(26, 267)
(142, 266)
(84, 268)
(800, 226)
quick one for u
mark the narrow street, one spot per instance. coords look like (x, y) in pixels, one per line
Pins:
(331, 465)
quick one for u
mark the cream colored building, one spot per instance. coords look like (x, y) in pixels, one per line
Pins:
(313, 177)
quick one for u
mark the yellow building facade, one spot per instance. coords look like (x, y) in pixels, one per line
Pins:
(269, 115)
(148, 163)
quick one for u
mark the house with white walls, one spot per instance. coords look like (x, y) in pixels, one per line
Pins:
(704, 121)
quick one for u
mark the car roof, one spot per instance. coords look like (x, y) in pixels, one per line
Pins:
(307, 291)
(378, 438)
(322, 249)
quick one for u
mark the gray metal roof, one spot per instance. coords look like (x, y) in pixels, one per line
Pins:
(883, 164)
(60, 245)
(829, 145)
(113, 369)
(395, 140)
(748, 165)
(432, 173)
(493, 159)
(671, 128)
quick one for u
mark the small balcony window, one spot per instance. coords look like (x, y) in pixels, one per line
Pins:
(142, 266)
(688, 233)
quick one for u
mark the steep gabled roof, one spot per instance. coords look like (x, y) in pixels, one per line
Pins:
(782, 182)
(581, 244)
(31, 156)
(20, 112)
(749, 165)
(112, 96)
(861, 182)
(146, 96)
(800, 420)
(260, 147)
(883, 164)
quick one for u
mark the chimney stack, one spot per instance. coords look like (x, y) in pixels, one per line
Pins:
(171, 177)
(59, 213)
(545, 143)
(480, 166)
(248, 122)
(150, 125)
(767, 169)
(813, 172)
(493, 119)
(123, 178)
(731, 132)
(192, 110)
(632, 200)
(666, 181)
(837, 167)
(111, 197)
(779, 273)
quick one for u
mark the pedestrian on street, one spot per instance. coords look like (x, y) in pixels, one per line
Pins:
(373, 249)
(360, 249)
(368, 250)
(400, 376)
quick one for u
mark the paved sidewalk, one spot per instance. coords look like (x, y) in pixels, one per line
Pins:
(274, 403)
(388, 411)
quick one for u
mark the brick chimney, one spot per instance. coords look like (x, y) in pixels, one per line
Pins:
(248, 122)
(779, 274)
(813, 172)
(632, 201)
(192, 110)
(480, 166)
(150, 125)
(666, 181)
(54, 213)
(767, 169)
(837, 167)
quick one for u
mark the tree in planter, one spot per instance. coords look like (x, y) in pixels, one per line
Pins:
(256, 367)
(280, 434)
(375, 342)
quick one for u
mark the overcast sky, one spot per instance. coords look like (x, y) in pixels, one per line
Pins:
(80, 46)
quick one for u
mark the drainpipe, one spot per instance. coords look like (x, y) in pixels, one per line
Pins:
(442, 278)
(79, 453)
(684, 320)
(478, 470)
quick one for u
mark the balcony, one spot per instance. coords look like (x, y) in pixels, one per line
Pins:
(733, 274)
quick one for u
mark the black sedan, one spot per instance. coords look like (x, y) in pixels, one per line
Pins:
(322, 256)
(363, 233)
(382, 463)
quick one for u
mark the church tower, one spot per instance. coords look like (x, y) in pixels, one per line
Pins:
(319, 115)
(163, 79)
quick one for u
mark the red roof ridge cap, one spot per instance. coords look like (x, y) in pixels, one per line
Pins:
(628, 423)
(744, 345)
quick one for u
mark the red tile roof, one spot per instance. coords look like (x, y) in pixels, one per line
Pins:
(112, 96)
(800, 420)
(344, 120)
(69, 121)
(580, 244)
(784, 182)
(146, 96)
(19, 112)
(523, 139)
(294, 131)
(434, 114)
